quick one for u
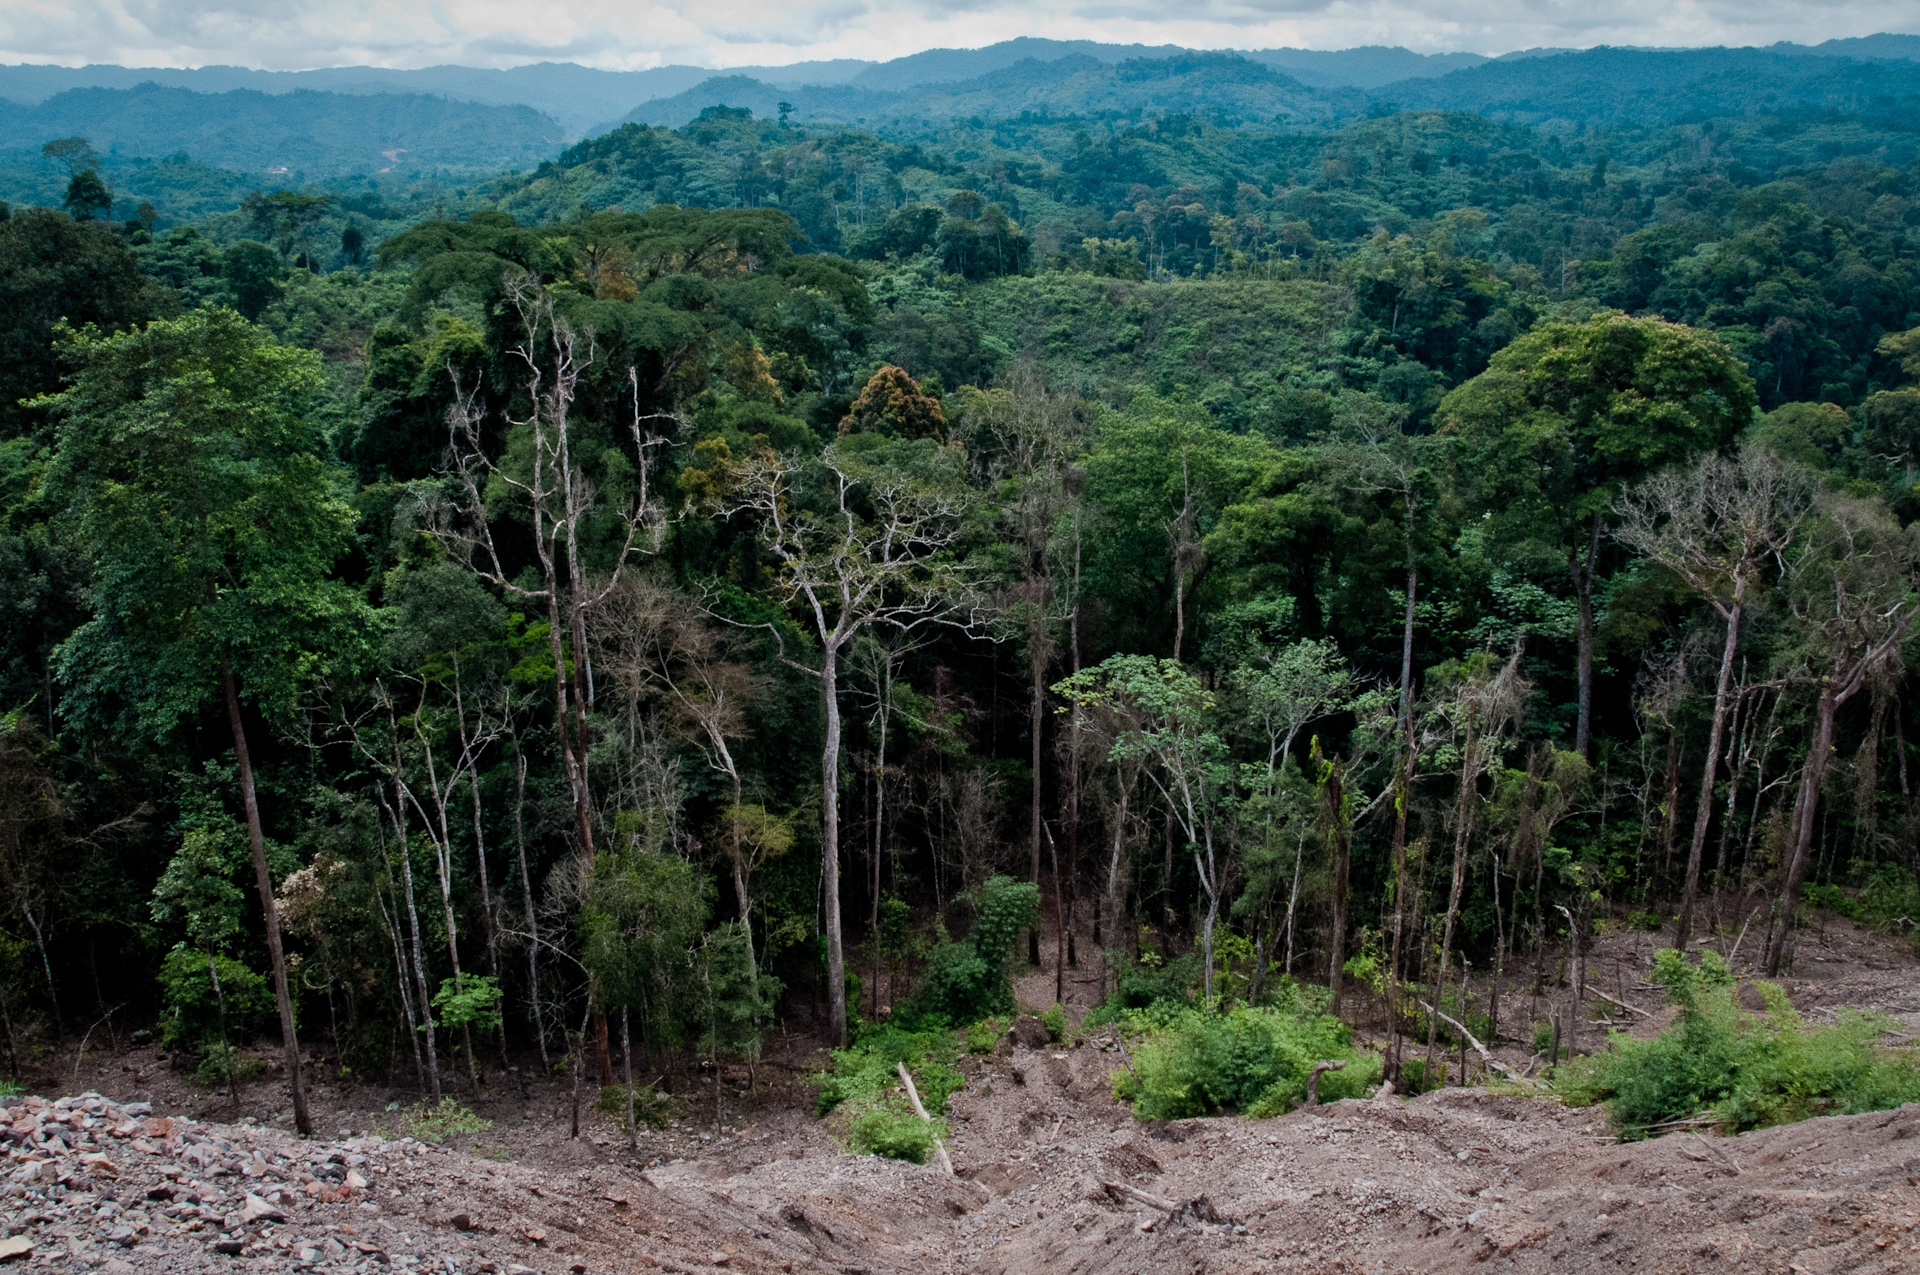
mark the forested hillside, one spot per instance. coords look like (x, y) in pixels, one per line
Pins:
(304, 136)
(757, 571)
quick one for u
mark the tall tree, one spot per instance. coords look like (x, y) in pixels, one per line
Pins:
(863, 535)
(1570, 412)
(1854, 593)
(1028, 438)
(1717, 525)
(189, 465)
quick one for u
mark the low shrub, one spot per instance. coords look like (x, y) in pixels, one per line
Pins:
(1255, 1061)
(1742, 1070)
(1147, 984)
(436, 1122)
(650, 1106)
(983, 1036)
(1056, 1021)
(864, 1084)
(212, 1071)
(897, 1135)
(968, 980)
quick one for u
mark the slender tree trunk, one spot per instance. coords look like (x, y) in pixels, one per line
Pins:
(1401, 782)
(526, 898)
(1716, 737)
(1583, 596)
(488, 921)
(1036, 718)
(226, 1050)
(1462, 827)
(413, 924)
(302, 1121)
(1073, 765)
(401, 966)
(830, 848)
(1406, 640)
(1806, 807)
(1342, 856)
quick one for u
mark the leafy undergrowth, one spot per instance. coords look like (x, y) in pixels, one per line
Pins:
(864, 1084)
(1723, 1066)
(430, 1122)
(1255, 1060)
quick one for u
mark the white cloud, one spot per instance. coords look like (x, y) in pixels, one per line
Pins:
(297, 34)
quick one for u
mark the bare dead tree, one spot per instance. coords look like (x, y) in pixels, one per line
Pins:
(871, 551)
(1482, 708)
(541, 471)
(1718, 525)
(1854, 593)
(560, 500)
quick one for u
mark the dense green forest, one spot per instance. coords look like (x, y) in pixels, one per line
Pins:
(712, 578)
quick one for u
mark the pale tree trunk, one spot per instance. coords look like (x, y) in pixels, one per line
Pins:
(487, 918)
(413, 925)
(526, 897)
(1716, 739)
(1036, 714)
(1805, 808)
(830, 847)
(1583, 573)
(302, 1121)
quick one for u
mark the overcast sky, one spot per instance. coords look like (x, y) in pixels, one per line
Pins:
(617, 35)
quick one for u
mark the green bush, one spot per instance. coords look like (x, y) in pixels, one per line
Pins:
(897, 1135)
(436, 1123)
(192, 1018)
(1147, 984)
(212, 1071)
(968, 980)
(864, 1083)
(1252, 1060)
(1745, 1070)
(1056, 1021)
(650, 1106)
(983, 1036)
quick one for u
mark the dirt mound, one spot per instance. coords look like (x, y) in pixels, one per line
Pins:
(1052, 1176)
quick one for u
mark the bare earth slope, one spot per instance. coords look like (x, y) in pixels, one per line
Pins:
(1053, 1176)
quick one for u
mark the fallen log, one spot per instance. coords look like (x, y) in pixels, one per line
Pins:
(1631, 1009)
(1479, 1048)
(1313, 1081)
(913, 1096)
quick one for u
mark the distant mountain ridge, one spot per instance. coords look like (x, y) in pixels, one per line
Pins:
(317, 134)
(461, 121)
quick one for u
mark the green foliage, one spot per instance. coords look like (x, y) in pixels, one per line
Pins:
(192, 1016)
(436, 1122)
(650, 1106)
(1254, 1061)
(863, 1082)
(194, 479)
(969, 980)
(1148, 985)
(216, 1063)
(468, 1000)
(1055, 1017)
(895, 1134)
(984, 1036)
(1741, 1070)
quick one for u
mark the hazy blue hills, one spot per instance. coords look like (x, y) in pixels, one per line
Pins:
(1561, 88)
(1615, 86)
(299, 133)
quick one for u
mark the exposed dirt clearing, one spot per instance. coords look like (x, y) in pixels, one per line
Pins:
(1054, 1176)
